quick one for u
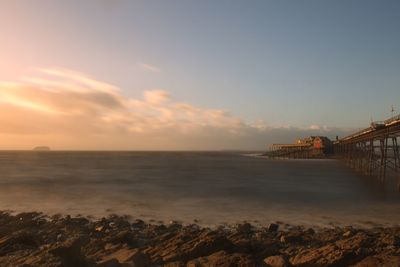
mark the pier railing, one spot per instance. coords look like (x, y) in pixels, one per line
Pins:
(374, 150)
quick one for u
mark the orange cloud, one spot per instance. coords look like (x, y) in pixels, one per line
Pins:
(66, 103)
(70, 110)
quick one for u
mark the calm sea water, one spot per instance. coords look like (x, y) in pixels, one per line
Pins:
(209, 187)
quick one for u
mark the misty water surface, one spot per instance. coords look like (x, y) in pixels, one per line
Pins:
(209, 187)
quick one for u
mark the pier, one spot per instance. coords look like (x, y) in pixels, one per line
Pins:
(373, 151)
(310, 147)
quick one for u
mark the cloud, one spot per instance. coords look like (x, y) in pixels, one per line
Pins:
(70, 110)
(156, 97)
(150, 68)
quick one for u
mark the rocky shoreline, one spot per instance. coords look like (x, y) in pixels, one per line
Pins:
(34, 239)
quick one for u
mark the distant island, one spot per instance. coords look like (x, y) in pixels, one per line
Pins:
(41, 148)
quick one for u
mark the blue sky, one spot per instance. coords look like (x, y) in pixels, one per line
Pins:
(287, 63)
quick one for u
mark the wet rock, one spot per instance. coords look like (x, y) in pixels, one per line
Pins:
(273, 227)
(310, 231)
(109, 263)
(379, 260)
(18, 241)
(359, 240)
(244, 228)
(329, 235)
(174, 264)
(124, 237)
(174, 225)
(276, 261)
(60, 238)
(140, 260)
(160, 228)
(129, 256)
(99, 228)
(223, 259)
(292, 237)
(186, 246)
(328, 255)
(347, 233)
(70, 252)
(138, 223)
(390, 240)
(342, 252)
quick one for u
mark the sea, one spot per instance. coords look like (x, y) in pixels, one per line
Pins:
(207, 188)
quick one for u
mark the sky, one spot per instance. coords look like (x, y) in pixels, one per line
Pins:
(193, 75)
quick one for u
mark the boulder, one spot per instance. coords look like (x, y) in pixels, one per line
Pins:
(342, 252)
(273, 227)
(244, 228)
(292, 237)
(329, 255)
(70, 252)
(276, 261)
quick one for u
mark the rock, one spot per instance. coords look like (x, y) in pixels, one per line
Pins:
(276, 261)
(359, 240)
(187, 246)
(391, 240)
(328, 255)
(124, 237)
(138, 223)
(310, 231)
(379, 260)
(118, 243)
(126, 255)
(109, 263)
(70, 252)
(292, 237)
(273, 227)
(174, 225)
(174, 264)
(244, 228)
(60, 238)
(340, 253)
(140, 260)
(347, 233)
(223, 259)
(17, 241)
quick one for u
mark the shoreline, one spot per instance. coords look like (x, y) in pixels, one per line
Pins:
(34, 239)
(285, 223)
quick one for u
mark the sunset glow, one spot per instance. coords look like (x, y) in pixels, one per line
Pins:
(134, 75)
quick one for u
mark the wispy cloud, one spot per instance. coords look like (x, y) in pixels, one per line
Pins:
(67, 109)
(149, 67)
